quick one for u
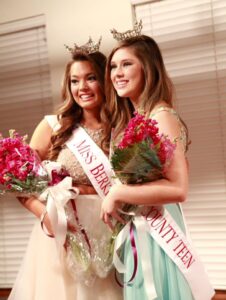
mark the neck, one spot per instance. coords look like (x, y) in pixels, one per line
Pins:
(135, 103)
(91, 119)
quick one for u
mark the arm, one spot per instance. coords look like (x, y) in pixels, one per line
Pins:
(172, 188)
(41, 138)
(40, 142)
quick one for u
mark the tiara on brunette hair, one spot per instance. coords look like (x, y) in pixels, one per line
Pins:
(121, 36)
(88, 48)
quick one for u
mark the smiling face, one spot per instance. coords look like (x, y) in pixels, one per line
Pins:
(84, 86)
(127, 74)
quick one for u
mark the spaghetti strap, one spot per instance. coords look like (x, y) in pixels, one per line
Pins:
(165, 108)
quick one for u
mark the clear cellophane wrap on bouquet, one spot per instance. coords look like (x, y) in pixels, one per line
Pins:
(87, 240)
(88, 244)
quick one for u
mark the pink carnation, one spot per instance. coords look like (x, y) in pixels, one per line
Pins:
(143, 154)
(17, 159)
(138, 130)
(21, 169)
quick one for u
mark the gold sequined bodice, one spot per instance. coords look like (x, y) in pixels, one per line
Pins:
(70, 162)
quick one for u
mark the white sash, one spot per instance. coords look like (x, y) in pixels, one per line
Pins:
(156, 222)
(93, 161)
(172, 240)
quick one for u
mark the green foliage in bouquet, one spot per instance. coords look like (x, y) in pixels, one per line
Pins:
(136, 164)
(143, 154)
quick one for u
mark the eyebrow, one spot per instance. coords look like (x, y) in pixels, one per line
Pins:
(126, 59)
(75, 76)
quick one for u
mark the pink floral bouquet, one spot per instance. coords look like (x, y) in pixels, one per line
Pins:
(20, 168)
(143, 154)
(23, 174)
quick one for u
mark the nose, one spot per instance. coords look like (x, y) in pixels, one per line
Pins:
(119, 71)
(82, 85)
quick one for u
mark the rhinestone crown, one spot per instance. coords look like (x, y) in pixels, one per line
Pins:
(88, 48)
(121, 36)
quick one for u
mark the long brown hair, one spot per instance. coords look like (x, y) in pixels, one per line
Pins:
(70, 113)
(157, 86)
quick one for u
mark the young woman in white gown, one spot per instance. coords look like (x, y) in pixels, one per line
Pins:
(43, 276)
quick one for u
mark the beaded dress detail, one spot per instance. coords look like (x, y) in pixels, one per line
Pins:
(70, 162)
(183, 133)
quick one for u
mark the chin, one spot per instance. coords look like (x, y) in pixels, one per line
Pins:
(122, 94)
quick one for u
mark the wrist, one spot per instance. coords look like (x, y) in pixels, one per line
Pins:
(116, 192)
(42, 218)
(43, 215)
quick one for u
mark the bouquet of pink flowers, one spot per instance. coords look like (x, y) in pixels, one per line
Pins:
(20, 168)
(143, 154)
(22, 173)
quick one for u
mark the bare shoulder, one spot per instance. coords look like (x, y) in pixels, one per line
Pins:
(41, 138)
(168, 120)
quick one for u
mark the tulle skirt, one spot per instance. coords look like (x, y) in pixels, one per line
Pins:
(169, 282)
(44, 276)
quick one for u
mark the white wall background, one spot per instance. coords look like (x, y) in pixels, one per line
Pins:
(71, 21)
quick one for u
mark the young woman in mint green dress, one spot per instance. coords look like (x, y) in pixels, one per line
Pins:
(136, 80)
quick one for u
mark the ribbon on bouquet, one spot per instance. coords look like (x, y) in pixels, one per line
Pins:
(142, 230)
(80, 226)
(57, 197)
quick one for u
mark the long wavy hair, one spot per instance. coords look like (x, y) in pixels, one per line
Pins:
(157, 86)
(70, 114)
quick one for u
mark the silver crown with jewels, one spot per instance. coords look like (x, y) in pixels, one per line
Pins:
(121, 36)
(88, 48)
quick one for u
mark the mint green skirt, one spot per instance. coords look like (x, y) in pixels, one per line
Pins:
(170, 283)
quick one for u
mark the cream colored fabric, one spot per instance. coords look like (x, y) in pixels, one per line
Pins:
(43, 277)
(70, 162)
